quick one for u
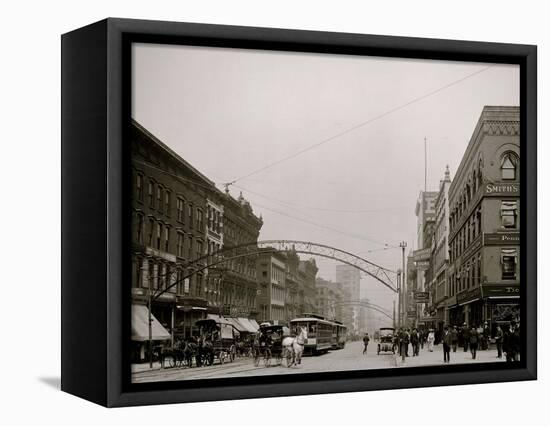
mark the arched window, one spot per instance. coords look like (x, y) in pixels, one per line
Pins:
(508, 166)
(480, 174)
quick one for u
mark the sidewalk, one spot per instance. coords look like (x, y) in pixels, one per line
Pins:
(426, 357)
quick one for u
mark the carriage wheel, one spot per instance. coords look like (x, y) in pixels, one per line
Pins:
(221, 356)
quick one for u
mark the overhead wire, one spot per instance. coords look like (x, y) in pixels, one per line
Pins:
(358, 126)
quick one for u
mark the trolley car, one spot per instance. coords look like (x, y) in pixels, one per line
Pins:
(319, 333)
(339, 333)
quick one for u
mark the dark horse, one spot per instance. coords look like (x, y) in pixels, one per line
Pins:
(190, 350)
(205, 352)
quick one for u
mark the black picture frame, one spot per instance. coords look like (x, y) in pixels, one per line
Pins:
(95, 235)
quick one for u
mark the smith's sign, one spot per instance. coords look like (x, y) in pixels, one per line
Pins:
(502, 189)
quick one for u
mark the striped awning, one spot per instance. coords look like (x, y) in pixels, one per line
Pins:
(140, 327)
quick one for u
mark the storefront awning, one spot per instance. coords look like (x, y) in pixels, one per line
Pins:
(237, 324)
(140, 327)
(248, 325)
(254, 324)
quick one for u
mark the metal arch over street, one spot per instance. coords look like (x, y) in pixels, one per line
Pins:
(381, 274)
(367, 305)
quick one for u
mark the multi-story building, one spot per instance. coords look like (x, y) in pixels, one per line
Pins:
(367, 318)
(329, 299)
(343, 311)
(239, 275)
(425, 214)
(169, 196)
(350, 278)
(484, 223)
(272, 270)
(295, 291)
(178, 217)
(307, 272)
(440, 255)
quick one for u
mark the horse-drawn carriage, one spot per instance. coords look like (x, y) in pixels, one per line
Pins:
(181, 354)
(268, 345)
(216, 341)
(385, 342)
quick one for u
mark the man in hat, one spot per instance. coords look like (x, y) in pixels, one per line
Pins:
(511, 343)
(447, 340)
(454, 338)
(366, 340)
(465, 336)
(499, 335)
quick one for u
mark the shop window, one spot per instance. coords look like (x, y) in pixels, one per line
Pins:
(139, 230)
(190, 214)
(151, 231)
(139, 186)
(508, 166)
(159, 235)
(508, 214)
(167, 202)
(180, 210)
(179, 244)
(166, 239)
(159, 198)
(509, 264)
(200, 219)
(150, 194)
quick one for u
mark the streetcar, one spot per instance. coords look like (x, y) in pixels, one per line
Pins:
(319, 333)
(339, 333)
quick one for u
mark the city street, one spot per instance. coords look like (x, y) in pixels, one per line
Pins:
(349, 358)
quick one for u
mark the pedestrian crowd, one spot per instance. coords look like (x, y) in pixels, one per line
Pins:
(471, 339)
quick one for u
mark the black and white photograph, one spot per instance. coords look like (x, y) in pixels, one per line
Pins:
(300, 212)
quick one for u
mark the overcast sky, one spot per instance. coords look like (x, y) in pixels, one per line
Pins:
(232, 113)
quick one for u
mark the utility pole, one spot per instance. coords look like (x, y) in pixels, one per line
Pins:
(403, 245)
(150, 320)
(394, 323)
(399, 301)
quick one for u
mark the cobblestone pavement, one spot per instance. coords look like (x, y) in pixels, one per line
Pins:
(426, 358)
(349, 358)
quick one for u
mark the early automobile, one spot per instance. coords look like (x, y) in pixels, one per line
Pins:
(385, 342)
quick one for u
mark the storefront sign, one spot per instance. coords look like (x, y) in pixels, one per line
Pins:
(501, 239)
(423, 265)
(421, 296)
(500, 290)
(421, 255)
(501, 188)
(466, 296)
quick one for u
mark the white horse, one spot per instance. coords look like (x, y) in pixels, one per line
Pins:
(293, 347)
